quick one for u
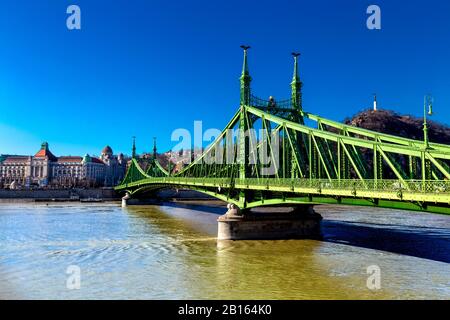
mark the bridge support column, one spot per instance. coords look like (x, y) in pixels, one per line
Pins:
(125, 199)
(233, 210)
(302, 222)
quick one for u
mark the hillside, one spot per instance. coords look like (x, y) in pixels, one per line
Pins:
(390, 122)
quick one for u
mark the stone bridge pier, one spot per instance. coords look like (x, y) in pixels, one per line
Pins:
(301, 222)
(125, 199)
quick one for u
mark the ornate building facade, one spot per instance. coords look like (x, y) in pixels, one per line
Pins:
(115, 166)
(45, 169)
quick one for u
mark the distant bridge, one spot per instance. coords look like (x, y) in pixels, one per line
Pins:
(301, 158)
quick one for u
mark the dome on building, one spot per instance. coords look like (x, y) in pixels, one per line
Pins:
(107, 150)
(44, 152)
(87, 158)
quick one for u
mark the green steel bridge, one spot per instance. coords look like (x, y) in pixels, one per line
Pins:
(273, 153)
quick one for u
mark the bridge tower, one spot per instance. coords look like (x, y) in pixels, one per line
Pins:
(133, 149)
(296, 116)
(245, 81)
(296, 91)
(154, 148)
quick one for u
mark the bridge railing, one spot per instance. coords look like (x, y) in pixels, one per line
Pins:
(416, 186)
(261, 103)
(427, 186)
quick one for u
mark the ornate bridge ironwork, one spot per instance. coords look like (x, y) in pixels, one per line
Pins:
(266, 155)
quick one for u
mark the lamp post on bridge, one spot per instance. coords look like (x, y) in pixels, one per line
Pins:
(428, 102)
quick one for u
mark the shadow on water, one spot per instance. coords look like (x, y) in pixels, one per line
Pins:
(218, 208)
(426, 242)
(175, 221)
(417, 241)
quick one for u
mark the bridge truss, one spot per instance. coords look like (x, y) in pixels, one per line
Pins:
(267, 155)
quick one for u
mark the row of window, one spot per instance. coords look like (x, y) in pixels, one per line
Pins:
(21, 172)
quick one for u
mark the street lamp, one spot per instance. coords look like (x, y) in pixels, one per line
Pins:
(427, 102)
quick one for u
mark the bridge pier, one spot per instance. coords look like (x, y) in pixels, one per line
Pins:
(125, 200)
(233, 210)
(301, 222)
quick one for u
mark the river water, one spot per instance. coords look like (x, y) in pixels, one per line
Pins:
(170, 252)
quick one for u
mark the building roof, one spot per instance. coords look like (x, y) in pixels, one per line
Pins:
(96, 160)
(15, 159)
(88, 158)
(71, 159)
(44, 152)
(107, 150)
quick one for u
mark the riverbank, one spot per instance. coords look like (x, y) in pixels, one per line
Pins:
(93, 195)
(60, 194)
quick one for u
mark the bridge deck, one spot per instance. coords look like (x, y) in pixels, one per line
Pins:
(434, 192)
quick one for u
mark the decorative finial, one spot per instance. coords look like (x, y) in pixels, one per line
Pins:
(245, 64)
(133, 150)
(295, 77)
(245, 79)
(154, 147)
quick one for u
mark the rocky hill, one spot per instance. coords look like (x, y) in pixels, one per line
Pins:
(390, 122)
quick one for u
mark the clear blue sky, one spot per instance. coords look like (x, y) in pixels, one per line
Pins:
(145, 68)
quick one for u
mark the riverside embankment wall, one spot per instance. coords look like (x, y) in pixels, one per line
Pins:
(105, 194)
(58, 194)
